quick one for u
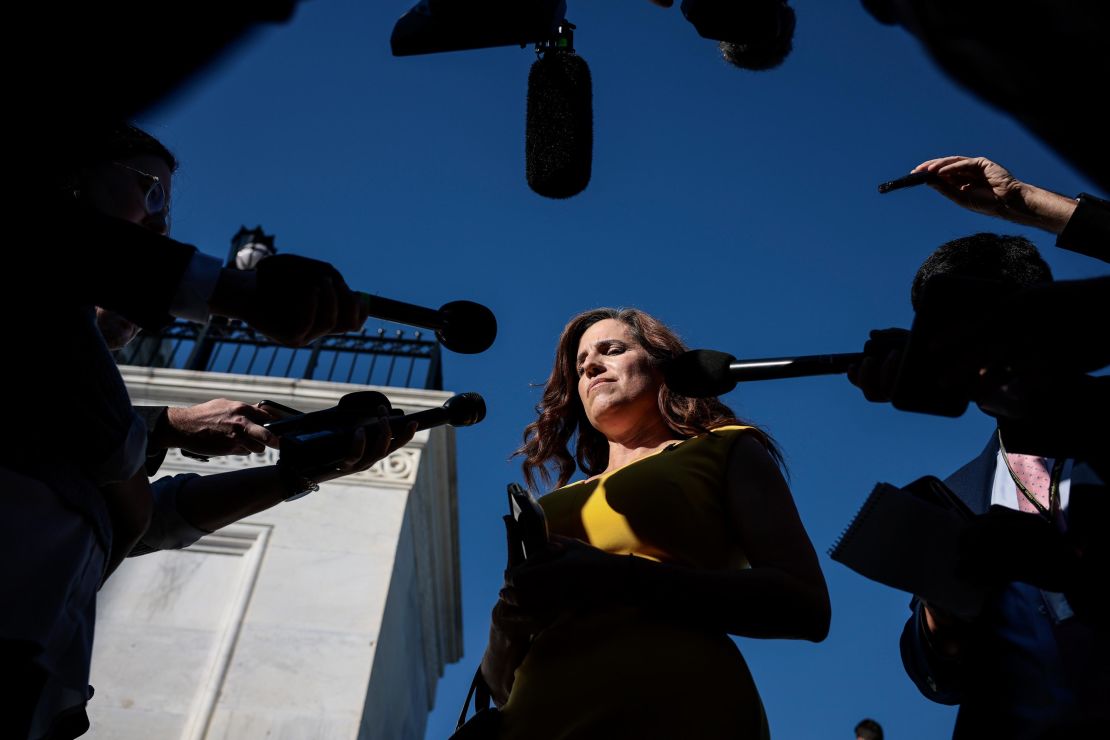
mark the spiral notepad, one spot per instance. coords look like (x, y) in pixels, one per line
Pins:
(908, 538)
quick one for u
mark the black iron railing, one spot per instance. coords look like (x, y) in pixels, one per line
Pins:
(382, 357)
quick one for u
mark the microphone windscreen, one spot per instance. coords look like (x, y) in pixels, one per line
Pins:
(468, 328)
(559, 130)
(465, 409)
(699, 373)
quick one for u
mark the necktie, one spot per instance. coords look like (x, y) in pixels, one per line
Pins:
(1032, 472)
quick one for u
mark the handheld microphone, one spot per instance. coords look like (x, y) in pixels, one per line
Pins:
(353, 410)
(316, 453)
(704, 373)
(463, 410)
(907, 181)
(559, 128)
(461, 326)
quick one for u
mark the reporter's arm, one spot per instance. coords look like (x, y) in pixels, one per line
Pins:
(214, 501)
(931, 646)
(1081, 224)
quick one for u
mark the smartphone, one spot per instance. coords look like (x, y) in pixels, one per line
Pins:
(530, 520)
(907, 181)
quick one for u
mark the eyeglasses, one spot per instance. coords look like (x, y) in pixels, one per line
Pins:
(155, 199)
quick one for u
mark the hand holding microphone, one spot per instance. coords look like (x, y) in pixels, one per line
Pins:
(313, 445)
(289, 298)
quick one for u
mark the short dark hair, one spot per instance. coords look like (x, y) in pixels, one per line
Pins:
(869, 729)
(111, 142)
(1010, 259)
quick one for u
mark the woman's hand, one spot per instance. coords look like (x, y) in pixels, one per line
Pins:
(510, 634)
(571, 574)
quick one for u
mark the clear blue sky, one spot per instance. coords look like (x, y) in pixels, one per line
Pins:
(738, 207)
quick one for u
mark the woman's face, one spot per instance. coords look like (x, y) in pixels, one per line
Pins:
(617, 382)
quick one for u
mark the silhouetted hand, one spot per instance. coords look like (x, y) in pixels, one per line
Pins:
(217, 427)
(1004, 545)
(370, 444)
(983, 186)
(876, 374)
(571, 574)
(291, 299)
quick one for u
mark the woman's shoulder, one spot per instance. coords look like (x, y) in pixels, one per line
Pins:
(724, 433)
(723, 441)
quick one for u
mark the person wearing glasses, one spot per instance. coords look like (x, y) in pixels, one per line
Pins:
(682, 532)
(74, 496)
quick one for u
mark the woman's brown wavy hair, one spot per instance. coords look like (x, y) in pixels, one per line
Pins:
(562, 416)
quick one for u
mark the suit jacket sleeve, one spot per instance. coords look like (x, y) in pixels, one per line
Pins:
(153, 416)
(118, 265)
(938, 679)
(1088, 229)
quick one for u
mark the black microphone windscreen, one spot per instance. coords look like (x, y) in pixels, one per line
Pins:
(699, 373)
(559, 130)
(465, 409)
(468, 327)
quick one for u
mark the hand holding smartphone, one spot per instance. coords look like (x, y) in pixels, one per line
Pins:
(530, 520)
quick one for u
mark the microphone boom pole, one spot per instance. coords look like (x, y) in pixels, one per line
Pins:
(460, 326)
(704, 373)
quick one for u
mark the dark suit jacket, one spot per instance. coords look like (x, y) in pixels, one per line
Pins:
(1025, 673)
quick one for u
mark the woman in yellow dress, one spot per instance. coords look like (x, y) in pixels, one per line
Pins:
(683, 533)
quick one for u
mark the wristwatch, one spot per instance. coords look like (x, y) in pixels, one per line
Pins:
(296, 484)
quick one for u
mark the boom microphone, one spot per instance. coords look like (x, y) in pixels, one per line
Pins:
(704, 373)
(460, 326)
(559, 128)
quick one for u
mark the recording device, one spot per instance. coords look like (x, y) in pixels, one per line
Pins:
(705, 373)
(314, 450)
(907, 181)
(558, 133)
(969, 340)
(753, 34)
(433, 26)
(461, 326)
(531, 523)
(558, 137)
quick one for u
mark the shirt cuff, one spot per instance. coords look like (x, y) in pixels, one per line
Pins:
(168, 530)
(1088, 230)
(196, 288)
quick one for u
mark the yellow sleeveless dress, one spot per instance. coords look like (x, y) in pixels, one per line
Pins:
(620, 672)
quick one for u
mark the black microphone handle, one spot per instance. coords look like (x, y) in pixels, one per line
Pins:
(426, 419)
(773, 368)
(401, 312)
